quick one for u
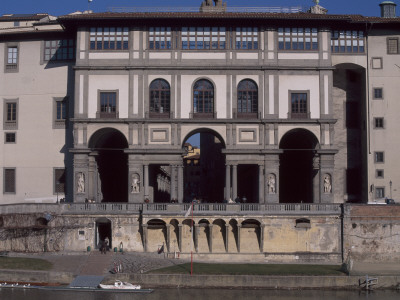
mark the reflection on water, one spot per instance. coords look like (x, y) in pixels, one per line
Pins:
(193, 294)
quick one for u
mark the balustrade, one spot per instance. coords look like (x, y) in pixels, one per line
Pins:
(173, 208)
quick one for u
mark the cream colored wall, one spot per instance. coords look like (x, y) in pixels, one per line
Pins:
(39, 148)
(387, 139)
(301, 83)
(108, 82)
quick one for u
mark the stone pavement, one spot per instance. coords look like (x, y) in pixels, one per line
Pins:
(94, 263)
(382, 269)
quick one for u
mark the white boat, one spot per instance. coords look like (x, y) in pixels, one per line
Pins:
(119, 285)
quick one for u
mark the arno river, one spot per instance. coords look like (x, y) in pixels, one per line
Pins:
(193, 294)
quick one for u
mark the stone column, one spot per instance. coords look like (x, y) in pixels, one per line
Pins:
(316, 179)
(144, 237)
(180, 183)
(262, 228)
(168, 229)
(227, 182)
(195, 237)
(234, 182)
(146, 182)
(81, 176)
(260, 183)
(180, 237)
(92, 178)
(173, 183)
(210, 242)
(227, 227)
(238, 236)
(271, 170)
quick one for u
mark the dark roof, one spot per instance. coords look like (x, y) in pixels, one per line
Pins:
(23, 17)
(114, 16)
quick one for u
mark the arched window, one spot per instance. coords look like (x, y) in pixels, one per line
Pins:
(247, 98)
(159, 98)
(203, 99)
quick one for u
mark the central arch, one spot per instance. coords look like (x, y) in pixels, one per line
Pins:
(204, 166)
(297, 173)
(111, 175)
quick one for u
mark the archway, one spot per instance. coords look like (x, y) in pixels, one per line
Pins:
(103, 231)
(297, 173)
(204, 166)
(350, 99)
(111, 178)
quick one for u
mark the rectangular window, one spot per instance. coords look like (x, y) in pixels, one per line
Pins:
(108, 104)
(379, 157)
(347, 41)
(59, 50)
(298, 39)
(393, 46)
(380, 174)
(11, 114)
(160, 38)
(109, 38)
(378, 123)
(377, 62)
(12, 58)
(9, 137)
(199, 38)
(60, 114)
(378, 93)
(59, 181)
(9, 180)
(246, 38)
(379, 192)
(299, 105)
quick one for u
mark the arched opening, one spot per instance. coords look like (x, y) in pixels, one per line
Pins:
(156, 234)
(159, 98)
(103, 232)
(297, 173)
(247, 99)
(204, 167)
(111, 177)
(349, 88)
(252, 243)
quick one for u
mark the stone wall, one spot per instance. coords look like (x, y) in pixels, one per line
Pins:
(371, 233)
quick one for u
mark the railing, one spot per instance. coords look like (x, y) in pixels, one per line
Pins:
(173, 208)
(74, 208)
(242, 208)
(120, 208)
(272, 9)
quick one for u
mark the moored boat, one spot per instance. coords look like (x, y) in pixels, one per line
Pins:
(119, 285)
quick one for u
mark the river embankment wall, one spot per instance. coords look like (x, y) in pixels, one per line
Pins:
(252, 281)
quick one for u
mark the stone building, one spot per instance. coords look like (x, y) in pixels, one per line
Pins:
(300, 107)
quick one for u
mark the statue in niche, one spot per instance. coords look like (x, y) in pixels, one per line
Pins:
(271, 184)
(135, 187)
(327, 184)
(81, 183)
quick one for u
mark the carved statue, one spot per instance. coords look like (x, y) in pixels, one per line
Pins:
(135, 187)
(271, 184)
(81, 183)
(327, 184)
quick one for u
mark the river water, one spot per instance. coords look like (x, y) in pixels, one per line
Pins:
(194, 294)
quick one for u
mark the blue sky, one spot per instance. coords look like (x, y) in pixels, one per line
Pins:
(57, 7)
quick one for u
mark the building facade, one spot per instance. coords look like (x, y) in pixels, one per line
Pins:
(290, 107)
